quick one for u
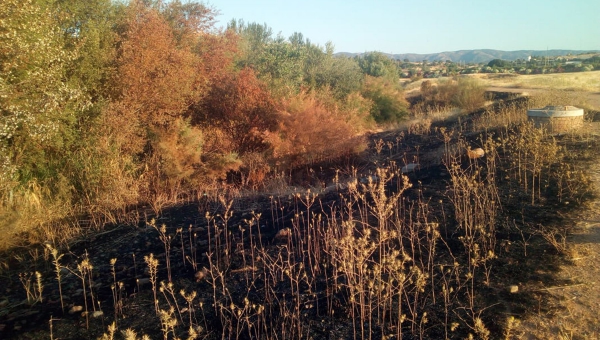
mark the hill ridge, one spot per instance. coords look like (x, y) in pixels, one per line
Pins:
(476, 55)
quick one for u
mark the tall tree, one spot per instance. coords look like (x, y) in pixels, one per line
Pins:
(188, 19)
(166, 63)
(342, 75)
(88, 27)
(156, 81)
(377, 64)
(254, 38)
(37, 104)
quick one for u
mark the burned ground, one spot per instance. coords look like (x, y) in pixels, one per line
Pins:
(268, 265)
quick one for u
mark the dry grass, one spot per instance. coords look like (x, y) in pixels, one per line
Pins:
(582, 88)
(577, 81)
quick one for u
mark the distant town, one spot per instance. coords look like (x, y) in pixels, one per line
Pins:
(491, 61)
(531, 65)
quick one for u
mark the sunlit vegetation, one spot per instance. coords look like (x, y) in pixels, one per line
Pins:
(108, 105)
(295, 221)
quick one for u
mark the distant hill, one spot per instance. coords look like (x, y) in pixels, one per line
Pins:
(475, 56)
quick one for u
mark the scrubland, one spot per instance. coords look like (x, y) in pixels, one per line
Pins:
(459, 247)
(161, 178)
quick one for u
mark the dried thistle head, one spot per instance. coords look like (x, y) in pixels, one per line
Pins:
(201, 274)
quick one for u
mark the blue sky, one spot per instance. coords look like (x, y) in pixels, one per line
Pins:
(427, 26)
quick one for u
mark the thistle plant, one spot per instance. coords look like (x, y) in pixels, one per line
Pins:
(32, 282)
(84, 271)
(57, 269)
(166, 240)
(153, 271)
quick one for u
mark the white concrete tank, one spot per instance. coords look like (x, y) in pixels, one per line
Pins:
(557, 119)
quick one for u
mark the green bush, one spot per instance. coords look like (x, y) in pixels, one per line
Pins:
(389, 104)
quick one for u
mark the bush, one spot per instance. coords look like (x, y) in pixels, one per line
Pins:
(389, 104)
(241, 106)
(469, 95)
(444, 93)
(465, 93)
(310, 132)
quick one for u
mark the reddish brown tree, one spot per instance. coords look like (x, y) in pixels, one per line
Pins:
(157, 80)
(240, 106)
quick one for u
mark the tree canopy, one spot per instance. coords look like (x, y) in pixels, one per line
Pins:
(105, 104)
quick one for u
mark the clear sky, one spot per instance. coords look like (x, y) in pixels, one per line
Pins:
(426, 26)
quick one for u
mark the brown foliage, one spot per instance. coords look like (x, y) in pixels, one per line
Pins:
(180, 149)
(240, 106)
(157, 81)
(465, 93)
(216, 52)
(163, 67)
(426, 88)
(444, 93)
(310, 132)
(255, 170)
(470, 95)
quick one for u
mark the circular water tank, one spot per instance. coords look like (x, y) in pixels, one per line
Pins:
(557, 118)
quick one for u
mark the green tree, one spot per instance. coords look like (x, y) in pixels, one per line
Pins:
(377, 64)
(38, 105)
(187, 19)
(389, 104)
(276, 61)
(254, 39)
(39, 111)
(342, 75)
(499, 63)
(89, 27)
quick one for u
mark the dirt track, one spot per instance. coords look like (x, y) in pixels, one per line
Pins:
(576, 315)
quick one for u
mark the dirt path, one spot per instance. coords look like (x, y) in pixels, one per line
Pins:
(577, 315)
(592, 99)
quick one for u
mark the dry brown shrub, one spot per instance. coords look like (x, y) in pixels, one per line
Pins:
(445, 91)
(155, 79)
(504, 115)
(25, 213)
(179, 165)
(309, 132)
(239, 105)
(427, 88)
(178, 149)
(422, 127)
(254, 170)
(469, 95)
(107, 173)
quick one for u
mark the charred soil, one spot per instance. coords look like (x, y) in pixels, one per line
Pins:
(454, 246)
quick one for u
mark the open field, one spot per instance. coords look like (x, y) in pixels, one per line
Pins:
(577, 81)
(582, 87)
